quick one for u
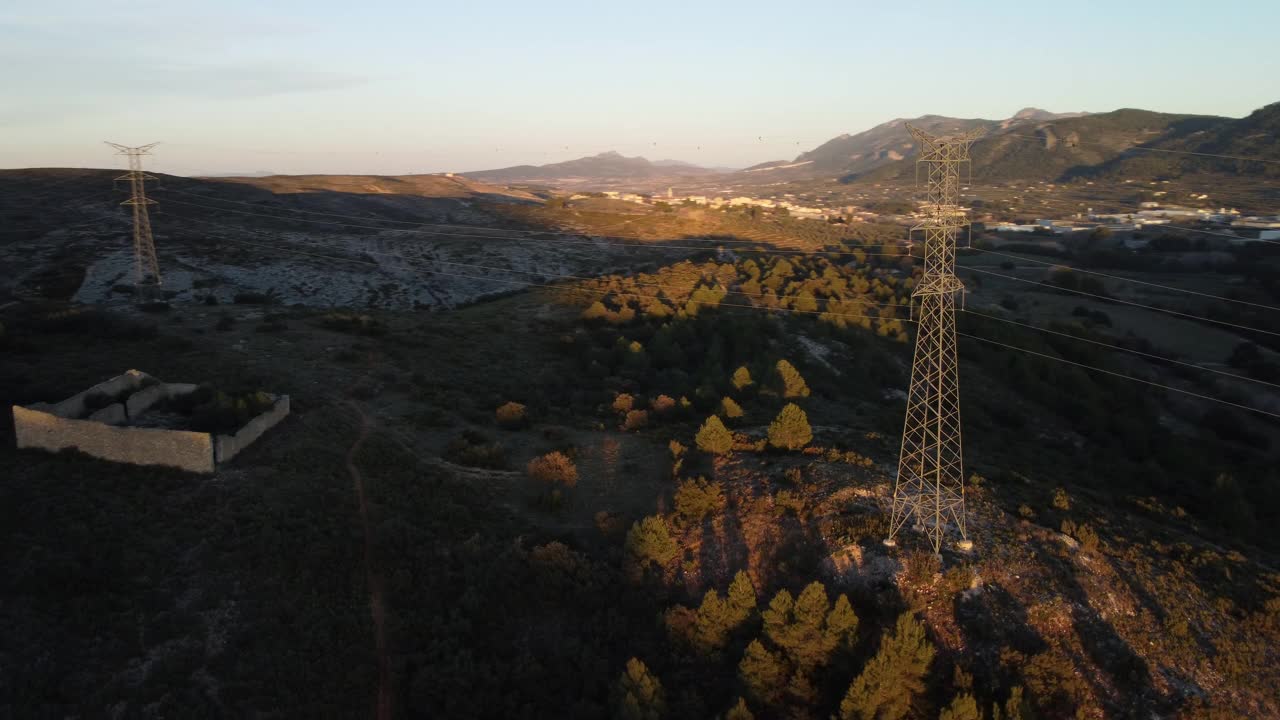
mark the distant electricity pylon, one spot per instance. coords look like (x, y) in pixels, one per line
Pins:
(929, 488)
(146, 269)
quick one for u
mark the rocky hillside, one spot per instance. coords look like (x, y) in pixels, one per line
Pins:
(1039, 145)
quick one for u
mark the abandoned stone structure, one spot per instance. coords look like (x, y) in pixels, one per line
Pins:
(111, 432)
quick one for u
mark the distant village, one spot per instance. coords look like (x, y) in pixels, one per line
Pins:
(1234, 228)
(793, 209)
(1229, 224)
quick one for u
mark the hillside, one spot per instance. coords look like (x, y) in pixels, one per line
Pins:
(1108, 579)
(1107, 145)
(889, 142)
(491, 466)
(605, 166)
(422, 186)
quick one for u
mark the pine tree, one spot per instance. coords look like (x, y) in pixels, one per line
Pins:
(742, 599)
(777, 617)
(714, 437)
(712, 629)
(740, 711)
(731, 408)
(842, 624)
(805, 302)
(893, 678)
(790, 430)
(809, 629)
(962, 707)
(638, 694)
(649, 541)
(793, 385)
(1015, 708)
(763, 673)
(742, 378)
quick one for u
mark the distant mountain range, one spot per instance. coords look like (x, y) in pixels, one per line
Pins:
(605, 166)
(1032, 144)
(1107, 145)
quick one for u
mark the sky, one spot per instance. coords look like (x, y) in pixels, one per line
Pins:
(412, 86)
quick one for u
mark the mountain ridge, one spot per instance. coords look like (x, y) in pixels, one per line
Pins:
(1033, 143)
(601, 166)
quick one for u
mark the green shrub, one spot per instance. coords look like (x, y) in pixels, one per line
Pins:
(226, 413)
(474, 450)
(254, 298)
(353, 323)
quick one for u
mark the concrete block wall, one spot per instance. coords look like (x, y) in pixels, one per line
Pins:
(191, 451)
(58, 426)
(228, 446)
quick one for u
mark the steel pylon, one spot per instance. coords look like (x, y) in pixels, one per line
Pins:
(929, 487)
(146, 268)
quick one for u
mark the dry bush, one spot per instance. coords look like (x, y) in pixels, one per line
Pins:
(552, 468)
(635, 420)
(512, 415)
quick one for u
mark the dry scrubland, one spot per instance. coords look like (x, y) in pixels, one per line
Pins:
(558, 527)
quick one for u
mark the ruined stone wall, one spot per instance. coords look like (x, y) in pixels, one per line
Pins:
(191, 451)
(74, 407)
(228, 446)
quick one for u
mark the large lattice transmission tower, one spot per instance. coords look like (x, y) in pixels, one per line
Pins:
(146, 268)
(929, 488)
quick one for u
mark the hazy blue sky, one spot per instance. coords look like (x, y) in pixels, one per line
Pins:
(414, 86)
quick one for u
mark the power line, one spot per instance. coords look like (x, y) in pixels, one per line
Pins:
(1075, 268)
(1120, 375)
(1125, 302)
(1119, 347)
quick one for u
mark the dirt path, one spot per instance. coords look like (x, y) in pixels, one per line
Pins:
(377, 607)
